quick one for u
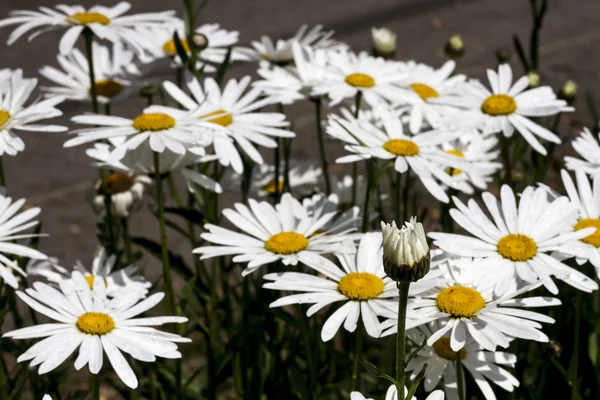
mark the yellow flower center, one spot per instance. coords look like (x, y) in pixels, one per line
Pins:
(457, 153)
(153, 122)
(594, 238)
(443, 349)
(108, 88)
(85, 18)
(424, 91)
(270, 187)
(170, 48)
(95, 323)
(118, 182)
(460, 301)
(90, 281)
(360, 80)
(401, 147)
(4, 116)
(499, 104)
(360, 286)
(223, 120)
(517, 247)
(286, 243)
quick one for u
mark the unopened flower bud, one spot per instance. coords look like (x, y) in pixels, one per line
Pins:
(455, 47)
(384, 42)
(405, 251)
(503, 55)
(568, 91)
(534, 79)
(554, 348)
(200, 41)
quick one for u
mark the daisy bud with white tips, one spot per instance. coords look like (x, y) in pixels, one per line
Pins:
(534, 79)
(455, 47)
(405, 251)
(384, 42)
(568, 92)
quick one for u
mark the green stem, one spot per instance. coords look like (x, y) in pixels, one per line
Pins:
(308, 348)
(2, 178)
(324, 164)
(575, 357)
(505, 148)
(597, 301)
(170, 303)
(460, 377)
(403, 288)
(108, 222)
(357, 100)
(127, 241)
(287, 150)
(358, 349)
(88, 36)
(190, 23)
(370, 179)
(405, 198)
(277, 161)
(397, 205)
(3, 371)
(95, 386)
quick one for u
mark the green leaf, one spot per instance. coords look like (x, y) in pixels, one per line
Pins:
(223, 67)
(181, 52)
(373, 370)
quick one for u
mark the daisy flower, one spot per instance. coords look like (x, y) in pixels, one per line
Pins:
(11, 224)
(351, 73)
(170, 129)
(87, 319)
(422, 83)
(587, 200)
(125, 191)
(485, 366)
(14, 115)
(587, 147)
(360, 283)
(392, 394)
(119, 282)
(160, 43)
(107, 23)
(420, 153)
(506, 107)
(482, 155)
(111, 72)
(140, 161)
(292, 83)
(514, 246)
(301, 175)
(234, 112)
(469, 310)
(287, 232)
(280, 52)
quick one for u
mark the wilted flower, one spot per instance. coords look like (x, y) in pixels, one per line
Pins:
(405, 251)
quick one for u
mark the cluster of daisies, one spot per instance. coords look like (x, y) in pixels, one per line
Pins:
(440, 128)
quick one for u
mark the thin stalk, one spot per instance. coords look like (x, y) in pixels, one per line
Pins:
(127, 241)
(401, 337)
(2, 178)
(324, 163)
(88, 36)
(190, 226)
(95, 386)
(505, 149)
(276, 161)
(3, 371)
(170, 303)
(597, 301)
(460, 377)
(309, 355)
(108, 222)
(370, 179)
(358, 349)
(107, 109)
(287, 151)
(575, 357)
(405, 197)
(357, 100)
(190, 24)
(397, 205)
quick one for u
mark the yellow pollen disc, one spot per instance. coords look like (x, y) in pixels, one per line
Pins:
(517, 247)
(401, 147)
(153, 122)
(270, 187)
(90, 281)
(442, 348)
(460, 301)
(594, 238)
(4, 116)
(118, 183)
(95, 323)
(85, 18)
(499, 104)
(361, 286)
(360, 80)
(457, 153)
(286, 243)
(424, 91)
(108, 88)
(169, 47)
(223, 120)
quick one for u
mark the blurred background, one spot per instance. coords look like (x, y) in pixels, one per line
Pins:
(60, 181)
